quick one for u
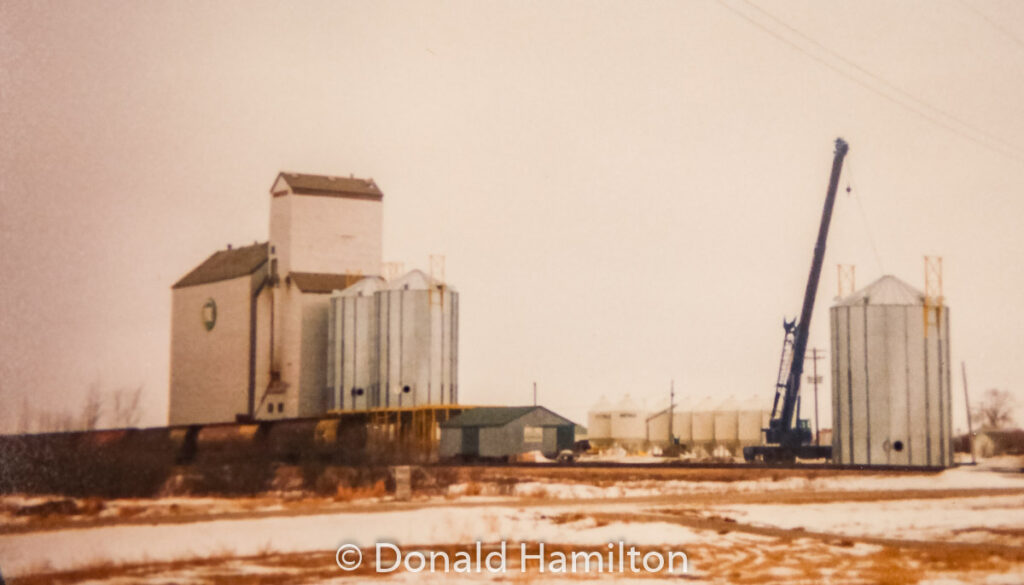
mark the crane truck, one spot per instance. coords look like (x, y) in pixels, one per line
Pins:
(788, 437)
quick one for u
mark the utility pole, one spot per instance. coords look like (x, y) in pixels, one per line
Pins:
(815, 379)
(967, 403)
(535, 394)
(671, 407)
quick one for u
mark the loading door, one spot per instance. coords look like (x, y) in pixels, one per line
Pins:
(565, 437)
(471, 441)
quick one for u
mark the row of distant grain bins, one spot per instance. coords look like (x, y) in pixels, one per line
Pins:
(712, 427)
(891, 390)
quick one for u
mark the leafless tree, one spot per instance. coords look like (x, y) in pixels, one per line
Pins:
(127, 406)
(92, 411)
(995, 411)
(49, 421)
(120, 408)
(25, 416)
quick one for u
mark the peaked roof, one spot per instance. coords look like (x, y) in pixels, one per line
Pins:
(601, 406)
(627, 404)
(351, 187)
(887, 290)
(225, 265)
(366, 286)
(494, 416)
(322, 282)
(416, 280)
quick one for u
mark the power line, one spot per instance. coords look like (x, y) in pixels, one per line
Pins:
(1007, 152)
(881, 79)
(1009, 34)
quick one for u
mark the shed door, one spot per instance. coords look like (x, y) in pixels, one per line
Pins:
(566, 437)
(471, 441)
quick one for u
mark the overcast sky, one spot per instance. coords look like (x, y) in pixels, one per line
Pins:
(626, 193)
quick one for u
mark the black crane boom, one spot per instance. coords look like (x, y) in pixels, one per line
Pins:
(788, 439)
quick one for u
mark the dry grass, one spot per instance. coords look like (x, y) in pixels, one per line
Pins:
(346, 493)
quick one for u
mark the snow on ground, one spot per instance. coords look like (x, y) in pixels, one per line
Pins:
(14, 507)
(975, 519)
(957, 478)
(70, 548)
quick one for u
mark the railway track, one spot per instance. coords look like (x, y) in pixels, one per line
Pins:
(689, 465)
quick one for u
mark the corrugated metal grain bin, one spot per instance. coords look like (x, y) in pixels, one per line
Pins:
(418, 340)
(353, 346)
(629, 425)
(658, 429)
(682, 426)
(703, 423)
(750, 422)
(726, 426)
(599, 424)
(890, 378)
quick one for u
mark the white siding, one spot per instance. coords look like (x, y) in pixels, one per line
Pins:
(891, 386)
(334, 235)
(210, 369)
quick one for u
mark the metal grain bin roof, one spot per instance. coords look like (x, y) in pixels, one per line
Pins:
(416, 280)
(887, 290)
(602, 406)
(627, 404)
(496, 416)
(321, 282)
(365, 287)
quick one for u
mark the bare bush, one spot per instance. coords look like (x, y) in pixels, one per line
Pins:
(127, 406)
(995, 410)
(93, 408)
(102, 409)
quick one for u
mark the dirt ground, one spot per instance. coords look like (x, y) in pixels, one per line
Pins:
(725, 551)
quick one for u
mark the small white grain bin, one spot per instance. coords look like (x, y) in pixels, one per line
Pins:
(599, 424)
(352, 345)
(891, 396)
(750, 422)
(682, 426)
(629, 425)
(726, 427)
(703, 424)
(418, 356)
(658, 427)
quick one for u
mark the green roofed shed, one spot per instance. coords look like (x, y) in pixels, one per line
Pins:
(494, 432)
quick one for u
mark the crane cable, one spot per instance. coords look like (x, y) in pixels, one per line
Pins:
(854, 193)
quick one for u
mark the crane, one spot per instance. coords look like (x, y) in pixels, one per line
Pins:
(788, 437)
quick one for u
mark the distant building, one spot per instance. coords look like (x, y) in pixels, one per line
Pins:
(249, 325)
(504, 431)
(710, 426)
(995, 442)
